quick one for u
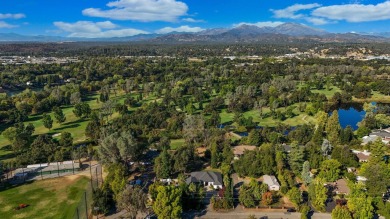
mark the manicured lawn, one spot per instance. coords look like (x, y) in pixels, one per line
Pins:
(176, 143)
(51, 198)
(328, 93)
(299, 119)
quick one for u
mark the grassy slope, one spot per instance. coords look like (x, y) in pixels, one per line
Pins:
(51, 198)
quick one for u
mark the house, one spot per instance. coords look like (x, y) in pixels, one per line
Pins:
(384, 134)
(207, 178)
(272, 182)
(238, 151)
(363, 156)
(341, 187)
(286, 148)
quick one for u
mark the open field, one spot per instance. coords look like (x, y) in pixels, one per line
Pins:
(51, 198)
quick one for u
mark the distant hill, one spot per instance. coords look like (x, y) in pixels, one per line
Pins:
(287, 32)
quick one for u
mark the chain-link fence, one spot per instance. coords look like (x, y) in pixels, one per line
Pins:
(83, 210)
(84, 207)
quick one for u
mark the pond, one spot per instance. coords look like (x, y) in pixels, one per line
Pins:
(351, 114)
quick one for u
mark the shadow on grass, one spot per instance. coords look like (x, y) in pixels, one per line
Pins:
(33, 118)
(7, 156)
(7, 186)
(75, 122)
(67, 127)
(90, 97)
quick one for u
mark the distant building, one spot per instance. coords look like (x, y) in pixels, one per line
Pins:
(207, 178)
(272, 182)
(341, 187)
(286, 148)
(383, 134)
(238, 151)
(363, 156)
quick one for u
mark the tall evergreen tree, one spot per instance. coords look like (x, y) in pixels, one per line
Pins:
(333, 128)
(163, 165)
(296, 158)
(306, 173)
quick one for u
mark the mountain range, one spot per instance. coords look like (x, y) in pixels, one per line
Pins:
(287, 32)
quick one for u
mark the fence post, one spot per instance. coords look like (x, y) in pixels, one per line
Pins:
(90, 171)
(86, 205)
(58, 169)
(24, 178)
(97, 177)
(40, 168)
(101, 173)
(78, 217)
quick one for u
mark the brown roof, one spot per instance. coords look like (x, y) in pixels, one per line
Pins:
(362, 157)
(342, 187)
(239, 150)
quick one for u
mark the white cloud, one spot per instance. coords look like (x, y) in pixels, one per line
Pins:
(192, 20)
(290, 12)
(6, 25)
(185, 28)
(90, 29)
(140, 10)
(355, 12)
(110, 33)
(261, 24)
(12, 16)
(317, 20)
(85, 26)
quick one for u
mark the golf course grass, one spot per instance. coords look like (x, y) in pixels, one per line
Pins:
(51, 198)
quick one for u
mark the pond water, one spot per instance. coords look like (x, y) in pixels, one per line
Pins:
(351, 116)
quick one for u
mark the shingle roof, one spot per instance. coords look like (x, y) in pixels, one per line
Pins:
(342, 186)
(205, 176)
(239, 150)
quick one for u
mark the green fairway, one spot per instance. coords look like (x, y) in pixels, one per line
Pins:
(299, 118)
(52, 198)
(328, 93)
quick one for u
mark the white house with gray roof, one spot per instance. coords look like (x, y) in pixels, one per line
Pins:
(207, 178)
(272, 182)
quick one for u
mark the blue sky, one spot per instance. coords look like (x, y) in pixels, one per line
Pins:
(117, 18)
